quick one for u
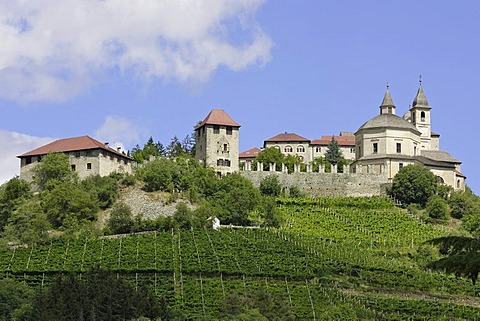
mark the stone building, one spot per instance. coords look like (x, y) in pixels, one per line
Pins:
(387, 142)
(216, 140)
(345, 141)
(246, 158)
(87, 157)
(290, 144)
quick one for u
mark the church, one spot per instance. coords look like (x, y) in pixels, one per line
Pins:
(387, 142)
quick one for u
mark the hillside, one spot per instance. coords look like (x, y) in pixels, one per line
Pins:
(332, 259)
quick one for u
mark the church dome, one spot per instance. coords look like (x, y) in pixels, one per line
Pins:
(388, 121)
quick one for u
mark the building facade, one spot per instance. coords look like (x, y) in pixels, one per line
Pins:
(216, 140)
(87, 156)
(387, 142)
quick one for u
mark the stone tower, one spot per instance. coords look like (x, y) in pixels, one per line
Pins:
(216, 140)
(420, 117)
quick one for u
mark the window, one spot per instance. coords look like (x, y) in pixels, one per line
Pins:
(89, 166)
(288, 149)
(227, 163)
(40, 158)
(300, 158)
(390, 110)
(458, 183)
(74, 168)
(277, 147)
(28, 160)
(400, 166)
(318, 149)
(300, 149)
(216, 129)
(415, 151)
(225, 147)
(352, 150)
(422, 116)
(375, 148)
(220, 162)
(77, 154)
(229, 130)
(399, 148)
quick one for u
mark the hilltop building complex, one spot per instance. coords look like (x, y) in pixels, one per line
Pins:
(381, 146)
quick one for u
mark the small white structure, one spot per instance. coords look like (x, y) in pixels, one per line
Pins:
(215, 222)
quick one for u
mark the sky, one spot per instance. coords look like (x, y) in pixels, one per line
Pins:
(122, 71)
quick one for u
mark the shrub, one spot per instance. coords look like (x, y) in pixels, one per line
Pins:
(120, 220)
(270, 186)
(437, 208)
(414, 184)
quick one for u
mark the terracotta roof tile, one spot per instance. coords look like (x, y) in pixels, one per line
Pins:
(71, 144)
(287, 137)
(218, 117)
(460, 174)
(251, 153)
(341, 140)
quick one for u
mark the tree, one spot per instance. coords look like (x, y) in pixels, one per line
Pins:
(333, 154)
(12, 194)
(462, 256)
(269, 156)
(15, 298)
(157, 175)
(414, 184)
(120, 220)
(270, 186)
(54, 169)
(437, 208)
(175, 148)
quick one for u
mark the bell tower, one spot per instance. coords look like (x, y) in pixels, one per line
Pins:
(420, 115)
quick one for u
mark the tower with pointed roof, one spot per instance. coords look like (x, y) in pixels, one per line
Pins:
(420, 117)
(216, 140)
(387, 106)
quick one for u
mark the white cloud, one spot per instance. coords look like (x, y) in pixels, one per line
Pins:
(119, 132)
(52, 50)
(13, 144)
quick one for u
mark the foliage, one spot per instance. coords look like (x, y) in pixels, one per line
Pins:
(437, 208)
(28, 224)
(52, 170)
(295, 192)
(15, 299)
(98, 295)
(120, 220)
(157, 175)
(104, 189)
(269, 156)
(290, 161)
(270, 186)
(333, 154)
(463, 256)
(67, 202)
(414, 184)
(12, 194)
(149, 149)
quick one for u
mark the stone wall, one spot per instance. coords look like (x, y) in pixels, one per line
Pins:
(326, 184)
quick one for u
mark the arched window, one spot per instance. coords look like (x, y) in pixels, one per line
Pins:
(422, 116)
(288, 149)
(277, 147)
(440, 180)
(300, 158)
(300, 149)
(458, 183)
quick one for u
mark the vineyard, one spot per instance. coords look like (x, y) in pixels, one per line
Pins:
(355, 257)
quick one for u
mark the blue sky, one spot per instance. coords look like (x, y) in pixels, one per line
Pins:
(121, 72)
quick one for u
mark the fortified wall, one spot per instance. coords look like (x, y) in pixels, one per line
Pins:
(323, 184)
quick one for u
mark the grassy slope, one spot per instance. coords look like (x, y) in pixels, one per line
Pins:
(333, 258)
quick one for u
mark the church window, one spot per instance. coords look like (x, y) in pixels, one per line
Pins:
(458, 183)
(74, 168)
(440, 180)
(375, 148)
(400, 166)
(300, 149)
(216, 129)
(277, 147)
(288, 149)
(399, 148)
(229, 130)
(390, 110)
(422, 116)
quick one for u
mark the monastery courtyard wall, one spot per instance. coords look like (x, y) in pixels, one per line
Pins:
(326, 184)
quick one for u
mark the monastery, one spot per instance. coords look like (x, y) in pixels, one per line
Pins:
(381, 146)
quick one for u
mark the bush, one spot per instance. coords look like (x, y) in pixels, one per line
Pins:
(414, 184)
(437, 208)
(270, 186)
(120, 220)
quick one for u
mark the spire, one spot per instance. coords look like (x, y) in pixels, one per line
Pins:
(420, 99)
(387, 106)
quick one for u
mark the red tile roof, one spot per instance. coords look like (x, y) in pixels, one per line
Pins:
(287, 137)
(70, 145)
(341, 140)
(251, 153)
(218, 117)
(460, 174)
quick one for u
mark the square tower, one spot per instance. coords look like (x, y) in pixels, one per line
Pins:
(216, 140)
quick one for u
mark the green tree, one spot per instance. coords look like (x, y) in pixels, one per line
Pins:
(104, 189)
(414, 184)
(121, 220)
(269, 156)
(333, 154)
(69, 203)
(175, 148)
(290, 161)
(12, 194)
(157, 175)
(270, 186)
(461, 256)
(437, 208)
(52, 170)
(150, 148)
(15, 298)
